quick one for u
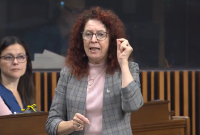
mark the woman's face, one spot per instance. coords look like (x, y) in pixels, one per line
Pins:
(96, 48)
(13, 68)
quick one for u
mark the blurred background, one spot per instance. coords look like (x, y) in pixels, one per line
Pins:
(164, 33)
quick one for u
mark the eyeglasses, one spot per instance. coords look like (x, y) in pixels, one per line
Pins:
(100, 35)
(10, 58)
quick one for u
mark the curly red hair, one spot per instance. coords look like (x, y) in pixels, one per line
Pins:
(76, 58)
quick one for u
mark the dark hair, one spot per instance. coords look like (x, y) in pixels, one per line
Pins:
(25, 86)
(75, 53)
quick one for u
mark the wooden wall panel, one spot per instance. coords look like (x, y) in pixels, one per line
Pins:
(161, 85)
(45, 92)
(38, 90)
(144, 85)
(193, 120)
(185, 94)
(168, 81)
(171, 88)
(152, 85)
(176, 93)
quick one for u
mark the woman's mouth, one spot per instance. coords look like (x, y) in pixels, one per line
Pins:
(15, 69)
(94, 48)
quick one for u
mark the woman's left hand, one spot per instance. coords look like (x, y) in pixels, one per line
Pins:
(124, 50)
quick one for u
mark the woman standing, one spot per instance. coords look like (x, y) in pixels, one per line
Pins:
(99, 88)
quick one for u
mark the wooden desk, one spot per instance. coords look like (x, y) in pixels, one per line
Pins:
(153, 119)
(24, 124)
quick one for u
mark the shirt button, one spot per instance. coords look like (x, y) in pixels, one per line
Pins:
(108, 91)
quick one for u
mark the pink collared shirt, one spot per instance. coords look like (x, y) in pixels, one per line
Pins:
(4, 109)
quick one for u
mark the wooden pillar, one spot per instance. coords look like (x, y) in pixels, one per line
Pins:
(161, 91)
(45, 92)
(177, 93)
(193, 119)
(169, 89)
(185, 94)
(144, 85)
(152, 86)
(38, 90)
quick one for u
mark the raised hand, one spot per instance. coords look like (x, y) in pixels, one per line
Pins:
(123, 51)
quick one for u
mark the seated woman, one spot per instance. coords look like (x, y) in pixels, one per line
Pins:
(16, 82)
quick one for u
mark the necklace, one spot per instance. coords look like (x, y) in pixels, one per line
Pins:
(91, 81)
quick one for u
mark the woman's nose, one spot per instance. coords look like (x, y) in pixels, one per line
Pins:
(94, 38)
(15, 61)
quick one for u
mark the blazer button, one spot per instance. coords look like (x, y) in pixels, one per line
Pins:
(108, 91)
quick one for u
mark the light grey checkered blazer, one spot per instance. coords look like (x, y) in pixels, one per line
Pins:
(118, 103)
